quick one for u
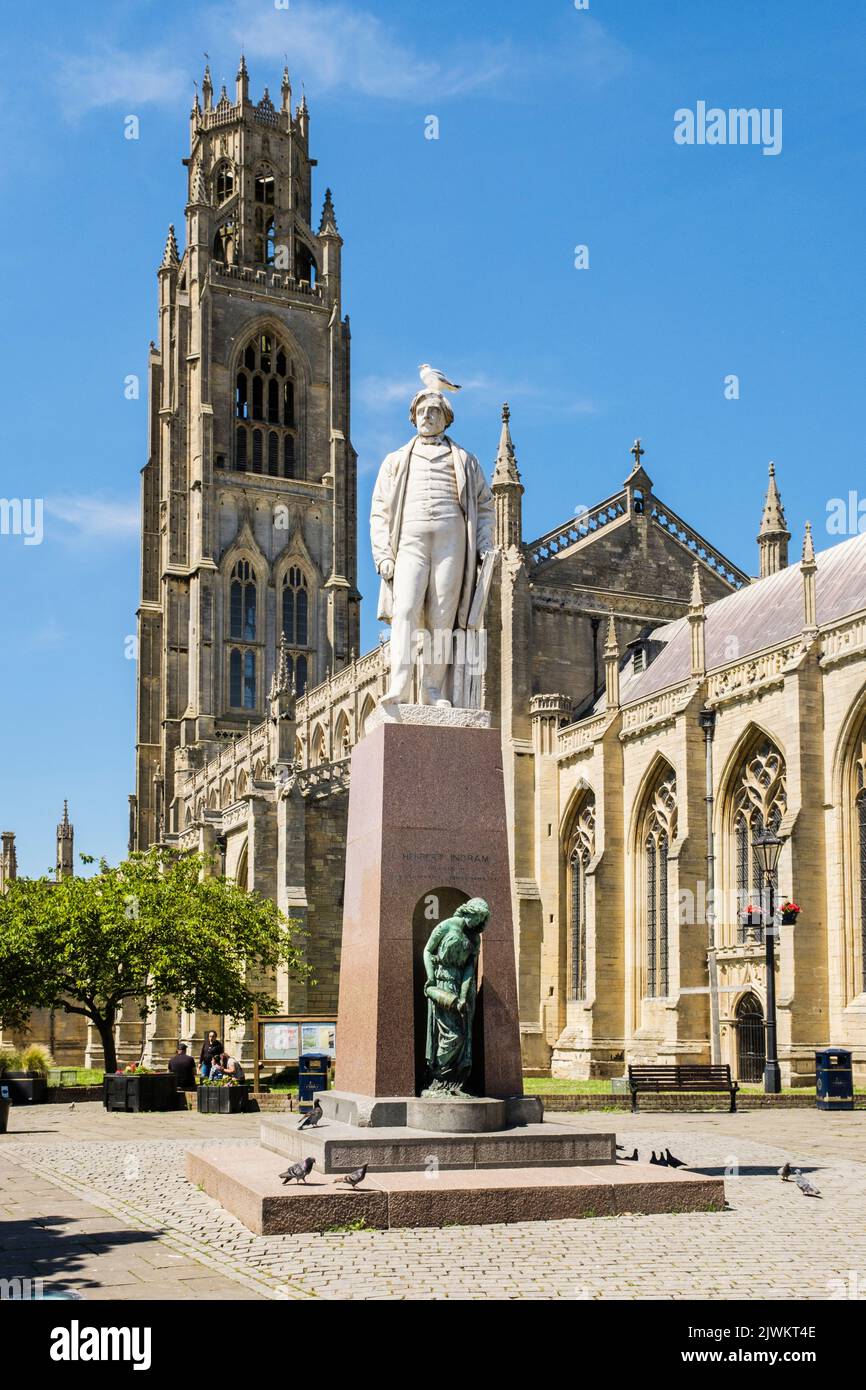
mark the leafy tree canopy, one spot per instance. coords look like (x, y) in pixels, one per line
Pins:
(157, 927)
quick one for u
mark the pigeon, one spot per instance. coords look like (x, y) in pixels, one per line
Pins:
(631, 1158)
(311, 1120)
(435, 380)
(804, 1185)
(674, 1162)
(353, 1179)
(656, 1161)
(298, 1172)
(785, 1171)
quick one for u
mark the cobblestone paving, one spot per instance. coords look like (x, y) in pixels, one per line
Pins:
(142, 1230)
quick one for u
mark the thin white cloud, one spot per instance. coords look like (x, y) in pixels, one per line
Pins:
(334, 47)
(90, 518)
(338, 46)
(109, 76)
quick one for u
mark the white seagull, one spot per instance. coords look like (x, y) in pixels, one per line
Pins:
(435, 380)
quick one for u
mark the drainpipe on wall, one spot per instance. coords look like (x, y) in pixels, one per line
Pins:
(707, 719)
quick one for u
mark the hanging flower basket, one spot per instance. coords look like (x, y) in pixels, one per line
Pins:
(790, 912)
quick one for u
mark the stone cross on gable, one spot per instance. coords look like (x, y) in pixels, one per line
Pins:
(637, 452)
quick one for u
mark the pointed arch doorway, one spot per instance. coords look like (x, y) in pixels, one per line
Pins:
(751, 1039)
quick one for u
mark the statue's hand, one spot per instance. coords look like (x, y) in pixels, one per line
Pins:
(386, 569)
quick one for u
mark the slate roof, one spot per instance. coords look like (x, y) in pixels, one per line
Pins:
(760, 615)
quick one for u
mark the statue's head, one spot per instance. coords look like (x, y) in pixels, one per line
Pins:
(430, 413)
(474, 913)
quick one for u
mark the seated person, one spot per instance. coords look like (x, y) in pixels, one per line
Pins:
(228, 1066)
(182, 1067)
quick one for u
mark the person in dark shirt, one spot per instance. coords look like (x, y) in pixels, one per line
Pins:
(182, 1067)
(211, 1052)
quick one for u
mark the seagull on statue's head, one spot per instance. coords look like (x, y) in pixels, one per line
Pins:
(435, 380)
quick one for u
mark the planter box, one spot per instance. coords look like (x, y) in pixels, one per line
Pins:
(25, 1087)
(221, 1100)
(4, 1114)
(136, 1092)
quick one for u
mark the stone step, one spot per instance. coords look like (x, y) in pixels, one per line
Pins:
(246, 1182)
(340, 1148)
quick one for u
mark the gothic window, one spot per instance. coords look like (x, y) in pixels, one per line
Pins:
(243, 602)
(580, 852)
(242, 679)
(659, 828)
(759, 804)
(296, 623)
(263, 220)
(257, 451)
(860, 867)
(224, 183)
(265, 189)
(265, 393)
(224, 243)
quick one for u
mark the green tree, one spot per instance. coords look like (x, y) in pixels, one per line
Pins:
(155, 928)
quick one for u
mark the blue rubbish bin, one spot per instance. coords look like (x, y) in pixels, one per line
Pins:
(834, 1079)
(313, 1070)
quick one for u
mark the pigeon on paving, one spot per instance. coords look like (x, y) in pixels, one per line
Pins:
(311, 1120)
(785, 1171)
(632, 1157)
(298, 1171)
(435, 380)
(804, 1185)
(674, 1162)
(353, 1179)
(655, 1160)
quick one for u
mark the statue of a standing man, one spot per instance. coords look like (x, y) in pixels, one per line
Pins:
(431, 525)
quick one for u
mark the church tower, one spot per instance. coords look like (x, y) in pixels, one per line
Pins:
(249, 492)
(65, 867)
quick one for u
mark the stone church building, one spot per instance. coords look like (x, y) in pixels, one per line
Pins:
(657, 706)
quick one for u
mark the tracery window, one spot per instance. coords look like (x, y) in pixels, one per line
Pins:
(296, 625)
(264, 410)
(659, 828)
(860, 830)
(243, 599)
(580, 853)
(263, 219)
(224, 183)
(760, 800)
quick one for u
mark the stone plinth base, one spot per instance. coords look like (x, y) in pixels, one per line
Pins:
(340, 1148)
(445, 1115)
(246, 1183)
(441, 716)
(378, 1112)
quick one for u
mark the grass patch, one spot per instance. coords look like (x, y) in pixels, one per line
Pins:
(554, 1085)
(360, 1225)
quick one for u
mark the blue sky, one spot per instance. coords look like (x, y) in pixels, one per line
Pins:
(555, 130)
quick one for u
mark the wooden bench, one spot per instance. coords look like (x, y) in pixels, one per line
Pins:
(688, 1079)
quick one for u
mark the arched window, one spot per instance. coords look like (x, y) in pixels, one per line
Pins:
(296, 623)
(265, 393)
(658, 831)
(581, 849)
(242, 628)
(224, 183)
(242, 679)
(243, 602)
(224, 243)
(759, 802)
(264, 192)
(860, 821)
(342, 738)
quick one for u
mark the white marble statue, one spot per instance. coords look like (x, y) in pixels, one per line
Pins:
(431, 527)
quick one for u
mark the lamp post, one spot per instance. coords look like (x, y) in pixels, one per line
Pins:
(769, 847)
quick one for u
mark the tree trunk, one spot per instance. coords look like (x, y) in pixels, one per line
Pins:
(105, 1029)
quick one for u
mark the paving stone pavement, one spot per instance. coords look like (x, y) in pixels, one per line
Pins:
(98, 1203)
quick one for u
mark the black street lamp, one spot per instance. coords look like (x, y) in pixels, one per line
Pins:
(769, 847)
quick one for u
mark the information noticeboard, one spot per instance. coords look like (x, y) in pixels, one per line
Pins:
(283, 1038)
